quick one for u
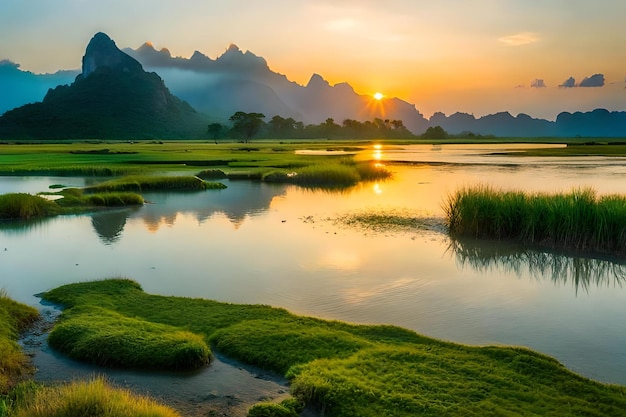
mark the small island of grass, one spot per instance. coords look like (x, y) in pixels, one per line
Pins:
(119, 192)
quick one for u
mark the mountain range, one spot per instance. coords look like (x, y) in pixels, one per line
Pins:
(242, 81)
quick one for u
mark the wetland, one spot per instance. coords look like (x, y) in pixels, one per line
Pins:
(332, 254)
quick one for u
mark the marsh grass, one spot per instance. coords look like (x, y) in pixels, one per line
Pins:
(578, 220)
(154, 183)
(26, 206)
(92, 398)
(330, 174)
(23, 206)
(14, 318)
(359, 370)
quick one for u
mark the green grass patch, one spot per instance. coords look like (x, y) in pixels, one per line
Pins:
(290, 407)
(154, 183)
(92, 398)
(106, 338)
(347, 370)
(577, 220)
(14, 318)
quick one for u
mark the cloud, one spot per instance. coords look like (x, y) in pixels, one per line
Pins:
(537, 83)
(596, 80)
(519, 39)
(569, 83)
(8, 63)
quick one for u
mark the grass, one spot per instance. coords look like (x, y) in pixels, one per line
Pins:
(106, 338)
(92, 398)
(14, 318)
(23, 206)
(142, 158)
(332, 174)
(26, 206)
(114, 193)
(577, 220)
(347, 370)
(140, 183)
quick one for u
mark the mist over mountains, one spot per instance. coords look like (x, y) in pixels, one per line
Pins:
(243, 81)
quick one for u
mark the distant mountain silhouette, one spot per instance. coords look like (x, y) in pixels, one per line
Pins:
(596, 123)
(113, 97)
(243, 81)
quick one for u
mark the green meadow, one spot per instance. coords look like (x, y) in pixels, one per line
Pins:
(337, 368)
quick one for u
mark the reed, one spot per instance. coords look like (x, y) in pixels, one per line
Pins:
(26, 206)
(577, 220)
(93, 398)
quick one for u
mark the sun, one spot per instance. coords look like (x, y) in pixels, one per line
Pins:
(378, 96)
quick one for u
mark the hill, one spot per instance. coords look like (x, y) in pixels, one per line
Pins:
(113, 97)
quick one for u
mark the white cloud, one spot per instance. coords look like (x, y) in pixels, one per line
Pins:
(519, 39)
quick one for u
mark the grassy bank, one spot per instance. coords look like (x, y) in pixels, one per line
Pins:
(23, 206)
(14, 318)
(577, 220)
(349, 370)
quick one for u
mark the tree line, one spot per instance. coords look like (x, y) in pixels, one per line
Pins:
(244, 126)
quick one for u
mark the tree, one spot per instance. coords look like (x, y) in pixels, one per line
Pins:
(246, 125)
(436, 132)
(214, 131)
(280, 127)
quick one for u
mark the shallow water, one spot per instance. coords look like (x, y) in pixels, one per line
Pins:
(280, 245)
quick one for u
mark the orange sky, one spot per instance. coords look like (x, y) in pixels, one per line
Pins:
(478, 57)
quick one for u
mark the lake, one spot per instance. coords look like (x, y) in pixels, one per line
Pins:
(285, 246)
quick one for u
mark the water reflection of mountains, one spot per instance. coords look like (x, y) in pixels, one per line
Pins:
(582, 272)
(240, 199)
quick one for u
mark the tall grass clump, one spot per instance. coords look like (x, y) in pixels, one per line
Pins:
(93, 398)
(577, 220)
(26, 206)
(14, 318)
(141, 183)
(334, 174)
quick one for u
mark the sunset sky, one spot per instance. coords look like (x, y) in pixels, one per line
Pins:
(478, 57)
